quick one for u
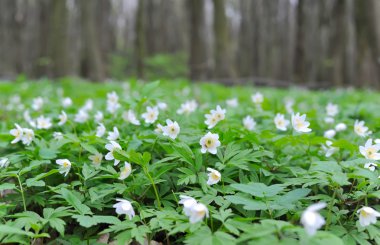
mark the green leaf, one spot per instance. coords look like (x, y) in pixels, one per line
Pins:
(249, 204)
(7, 186)
(291, 197)
(7, 230)
(74, 201)
(46, 153)
(88, 221)
(259, 189)
(89, 148)
(34, 182)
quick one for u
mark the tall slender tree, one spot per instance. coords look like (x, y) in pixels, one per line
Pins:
(92, 64)
(140, 39)
(198, 63)
(222, 48)
(299, 56)
(58, 39)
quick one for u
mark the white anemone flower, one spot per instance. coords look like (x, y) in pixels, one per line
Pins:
(124, 207)
(65, 166)
(219, 113)
(151, 114)
(340, 127)
(187, 107)
(27, 116)
(113, 135)
(88, 105)
(300, 124)
(370, 166)
(257, 99)
(113, 107)
(100, 130)
(332, 110)
(57, 135)
(82, 116)
(311, 219)
(27, 136)
(198, 212)
(62, 118)
(215, 116)
(159, 128)
(37, 103)
(96, 159)
(98, 116)
(280, 122)
(125, 171)
(188, 203)
(329, 120)
(329, 133)
(171, 129)
(112, 146)
(17, 132)
(214, 176)
(4, 162)
(210, 142)
(249, 123)
(66, 102)
(329, 149)
(211, 120)
(130, 116)
(162, 105)
(360, 129)
(44, 122)
(289, 105)
(367, 216)
(232, 102)
(370, 151)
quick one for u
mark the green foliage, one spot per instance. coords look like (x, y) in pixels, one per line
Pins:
(269, 177)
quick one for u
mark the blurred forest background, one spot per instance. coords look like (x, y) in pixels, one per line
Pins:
(316, 43)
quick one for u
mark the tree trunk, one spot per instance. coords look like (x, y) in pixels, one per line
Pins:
(222, 50)
(198, 64)
(299, 56)
(91, 65)
(58, 41)
(140, 39)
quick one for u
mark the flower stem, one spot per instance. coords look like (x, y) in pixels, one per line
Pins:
(330, 209)
(154, 186)
(22, 192)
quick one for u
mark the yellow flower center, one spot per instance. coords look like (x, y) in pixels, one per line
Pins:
(201, 212)
(363, 213)
(370, 152)
(209, 142)
(214, 176)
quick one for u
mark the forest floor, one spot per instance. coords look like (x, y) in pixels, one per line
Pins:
(174, 162)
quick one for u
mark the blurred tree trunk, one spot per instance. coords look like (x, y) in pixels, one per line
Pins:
(338, 42)
(140, 39)
(350, 51)
(43, 62)
(92, 64)
(367, 60)
(151, 39)
(246, 40)
(222, 49)
(299, 56)
(8, 38)
(374, 38)
(58, 41)
(198, 57)
(105, 30)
